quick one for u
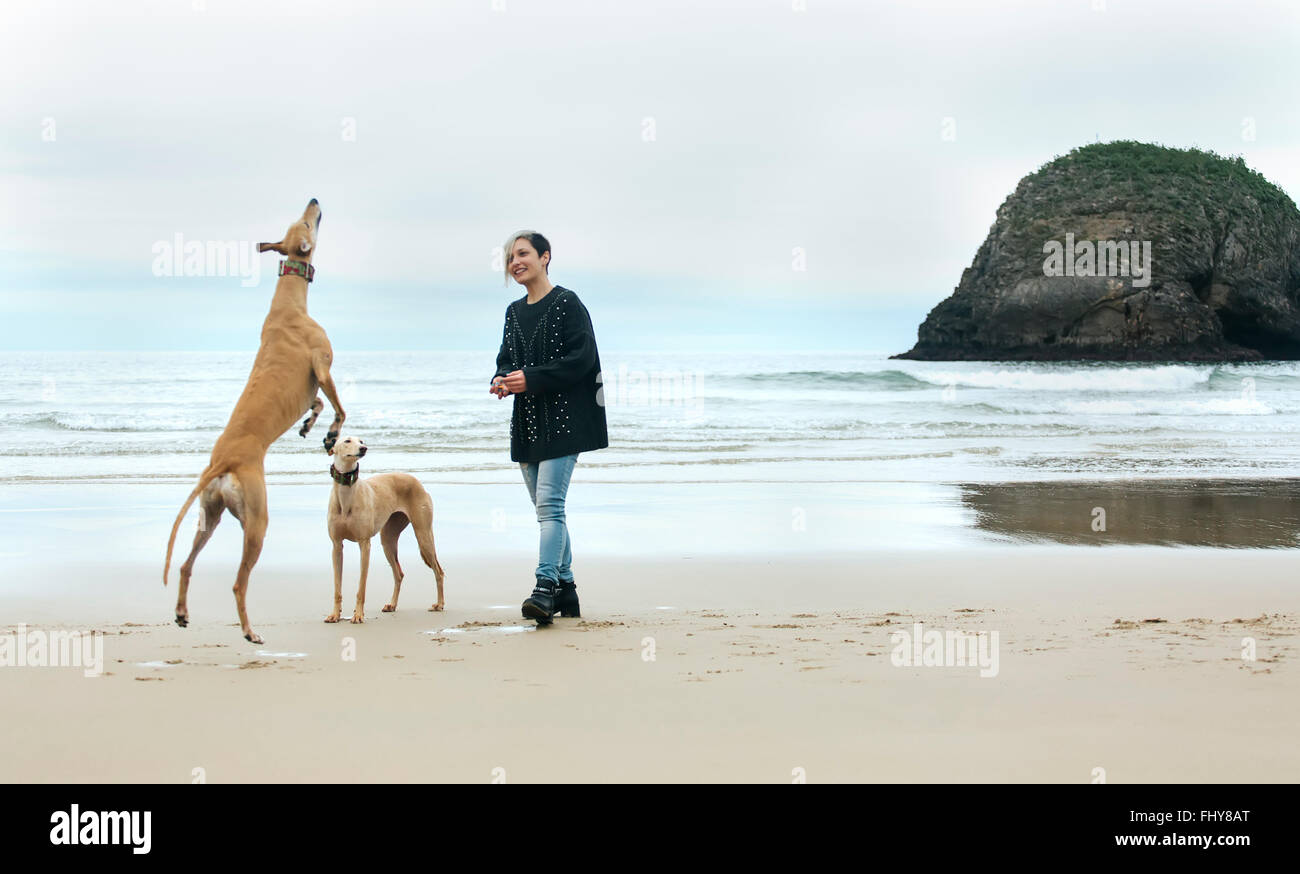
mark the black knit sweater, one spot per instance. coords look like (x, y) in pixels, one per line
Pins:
(554, 344)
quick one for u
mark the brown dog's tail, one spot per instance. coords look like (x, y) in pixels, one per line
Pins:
(206, 477)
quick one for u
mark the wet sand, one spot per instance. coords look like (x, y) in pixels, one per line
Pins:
(1252, 514)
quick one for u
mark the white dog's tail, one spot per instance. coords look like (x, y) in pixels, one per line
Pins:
(206, 477)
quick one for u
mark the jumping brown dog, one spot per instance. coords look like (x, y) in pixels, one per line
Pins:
(292, 362)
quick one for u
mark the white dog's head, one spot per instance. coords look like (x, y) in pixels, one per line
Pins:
(347, 451)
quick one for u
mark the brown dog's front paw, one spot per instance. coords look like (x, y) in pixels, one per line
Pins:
(182, 620)
(389, 608)
(333, 617)
(253, 638)
(358, 618)
(331, 437)
(436, 608)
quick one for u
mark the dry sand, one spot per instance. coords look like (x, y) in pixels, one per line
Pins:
(1126, 659)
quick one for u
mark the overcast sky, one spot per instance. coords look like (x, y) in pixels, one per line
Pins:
(675, 153)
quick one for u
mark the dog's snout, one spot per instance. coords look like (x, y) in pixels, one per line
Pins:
(363, 451)
(314, 202)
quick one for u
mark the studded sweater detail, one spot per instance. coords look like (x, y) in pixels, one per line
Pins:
(553, 343)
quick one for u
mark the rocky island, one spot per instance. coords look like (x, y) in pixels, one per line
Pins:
(1129, 251)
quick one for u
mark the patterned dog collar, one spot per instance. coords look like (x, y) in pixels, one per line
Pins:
(298, 268)
(345, 479)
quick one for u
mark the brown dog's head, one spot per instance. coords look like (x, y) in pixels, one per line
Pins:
(299, 241)
(347, 450)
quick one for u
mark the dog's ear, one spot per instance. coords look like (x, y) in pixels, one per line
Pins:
(304, 247)
(272, 247)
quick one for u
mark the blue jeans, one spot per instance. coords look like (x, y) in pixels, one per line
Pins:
(548, 484)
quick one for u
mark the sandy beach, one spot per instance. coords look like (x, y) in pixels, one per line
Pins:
(1127, 659)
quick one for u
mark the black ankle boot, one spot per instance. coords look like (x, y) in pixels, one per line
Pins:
(566, 599)
(540, 605)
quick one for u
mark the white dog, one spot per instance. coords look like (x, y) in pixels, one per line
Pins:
(384, 505)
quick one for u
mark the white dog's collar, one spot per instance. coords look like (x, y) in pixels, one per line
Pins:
(345, 479)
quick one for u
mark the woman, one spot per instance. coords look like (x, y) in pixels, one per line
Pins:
(549, 362)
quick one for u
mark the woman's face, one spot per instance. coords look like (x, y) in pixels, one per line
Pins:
(524, 264)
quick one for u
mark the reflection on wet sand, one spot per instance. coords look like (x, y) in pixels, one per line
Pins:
(1229, 513)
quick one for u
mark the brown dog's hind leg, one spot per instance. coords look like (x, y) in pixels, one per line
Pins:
(392, 530)
(311, 416)
(211, 506)
(254, 521)
(320, 364)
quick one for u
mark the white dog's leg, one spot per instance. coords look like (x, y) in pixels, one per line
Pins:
(388, 537)
(359, 614)
(338, 582)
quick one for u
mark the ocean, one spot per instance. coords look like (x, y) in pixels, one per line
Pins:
(833, 417)
(709, 453)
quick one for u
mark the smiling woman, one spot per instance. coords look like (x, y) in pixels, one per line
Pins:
(548, 360)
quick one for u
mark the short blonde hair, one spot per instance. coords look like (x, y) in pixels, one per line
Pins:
(536, 240)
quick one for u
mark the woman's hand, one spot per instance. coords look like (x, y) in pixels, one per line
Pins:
(498, 387)
(515, 382)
